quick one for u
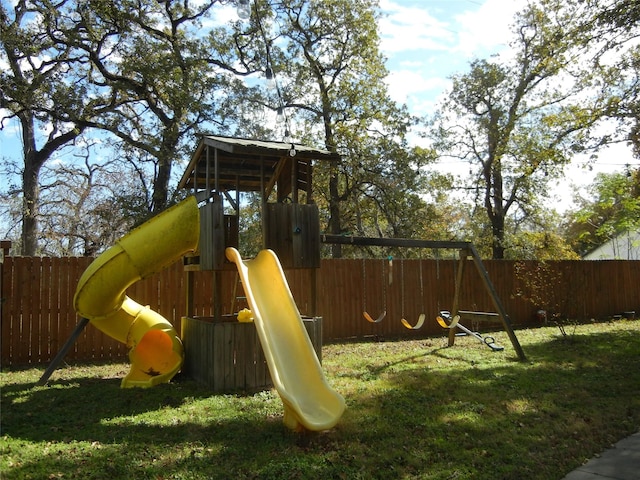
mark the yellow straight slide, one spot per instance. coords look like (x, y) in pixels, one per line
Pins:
(156, 352)
(309, 402)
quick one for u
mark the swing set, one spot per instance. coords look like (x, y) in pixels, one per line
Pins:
(423, 315)
(368, 316)
(465, 250)
(365, 313)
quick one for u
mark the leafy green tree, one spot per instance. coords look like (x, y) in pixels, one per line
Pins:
(250, 228)
(87, 206)
(612, 207)
(331, 83)
(139, 70)
(157, 67)
(615, 27)
(540, 245)
(518, 122)
(32, 91)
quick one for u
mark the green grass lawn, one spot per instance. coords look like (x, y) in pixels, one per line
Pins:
(415, 409)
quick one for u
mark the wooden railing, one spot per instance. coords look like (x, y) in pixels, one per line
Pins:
(38, 315)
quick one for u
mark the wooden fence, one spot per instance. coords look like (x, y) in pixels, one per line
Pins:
(38, 316)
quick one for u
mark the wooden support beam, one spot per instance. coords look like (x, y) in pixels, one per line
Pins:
(231, 200)
(466, 249)
(391, 242)
(217, 294)
(506, 322)
(63, 351)
(456, 294)
(272, 182)
(189, 287)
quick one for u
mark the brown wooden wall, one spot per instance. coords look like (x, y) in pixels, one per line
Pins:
(38, 315)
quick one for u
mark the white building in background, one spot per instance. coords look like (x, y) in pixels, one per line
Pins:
(625, 246)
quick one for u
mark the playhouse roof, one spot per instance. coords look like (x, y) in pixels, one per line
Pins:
(241, 162)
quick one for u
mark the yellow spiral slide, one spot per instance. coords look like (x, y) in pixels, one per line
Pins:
(156, 352)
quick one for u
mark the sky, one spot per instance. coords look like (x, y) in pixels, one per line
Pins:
(425, 42)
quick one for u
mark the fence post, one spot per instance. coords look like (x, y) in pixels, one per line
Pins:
(5, 246)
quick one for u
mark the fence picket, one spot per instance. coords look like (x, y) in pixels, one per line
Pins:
(38, 315)
(6, 265)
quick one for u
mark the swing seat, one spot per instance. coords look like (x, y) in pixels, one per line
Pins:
(366, 314)
(446, 315)
(417, 326)
(369, 318)
(441, 321)
(491, 343)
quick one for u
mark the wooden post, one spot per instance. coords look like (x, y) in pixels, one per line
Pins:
(294, 180)
(5, 246)
(189, 294)
(313, 273)
(217, 294)
(63, 351)
(497, 303)
(462, 260)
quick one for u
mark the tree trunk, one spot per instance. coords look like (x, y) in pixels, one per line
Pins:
(499, 213)
(497, 229)
(165, 160)
(30, 206)
(161, 185)
(30, 187)
(33, 161)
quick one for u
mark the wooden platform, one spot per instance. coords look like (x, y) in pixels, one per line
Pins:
(226, 355)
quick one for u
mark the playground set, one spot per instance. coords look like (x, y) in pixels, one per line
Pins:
(203, 231)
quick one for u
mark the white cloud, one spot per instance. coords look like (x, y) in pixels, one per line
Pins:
(222, 15)
(10, 127)
(467, 29)
(415, 88)
(486, 30)
(426, 42)
(405, 28)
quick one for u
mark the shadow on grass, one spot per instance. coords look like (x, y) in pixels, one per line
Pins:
(92, 428)
(80, 408)
(490, 418)
(484, 417)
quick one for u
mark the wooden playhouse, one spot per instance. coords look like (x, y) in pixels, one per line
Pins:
(221, 352)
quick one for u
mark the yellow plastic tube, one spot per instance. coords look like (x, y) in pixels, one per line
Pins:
(156, 352)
